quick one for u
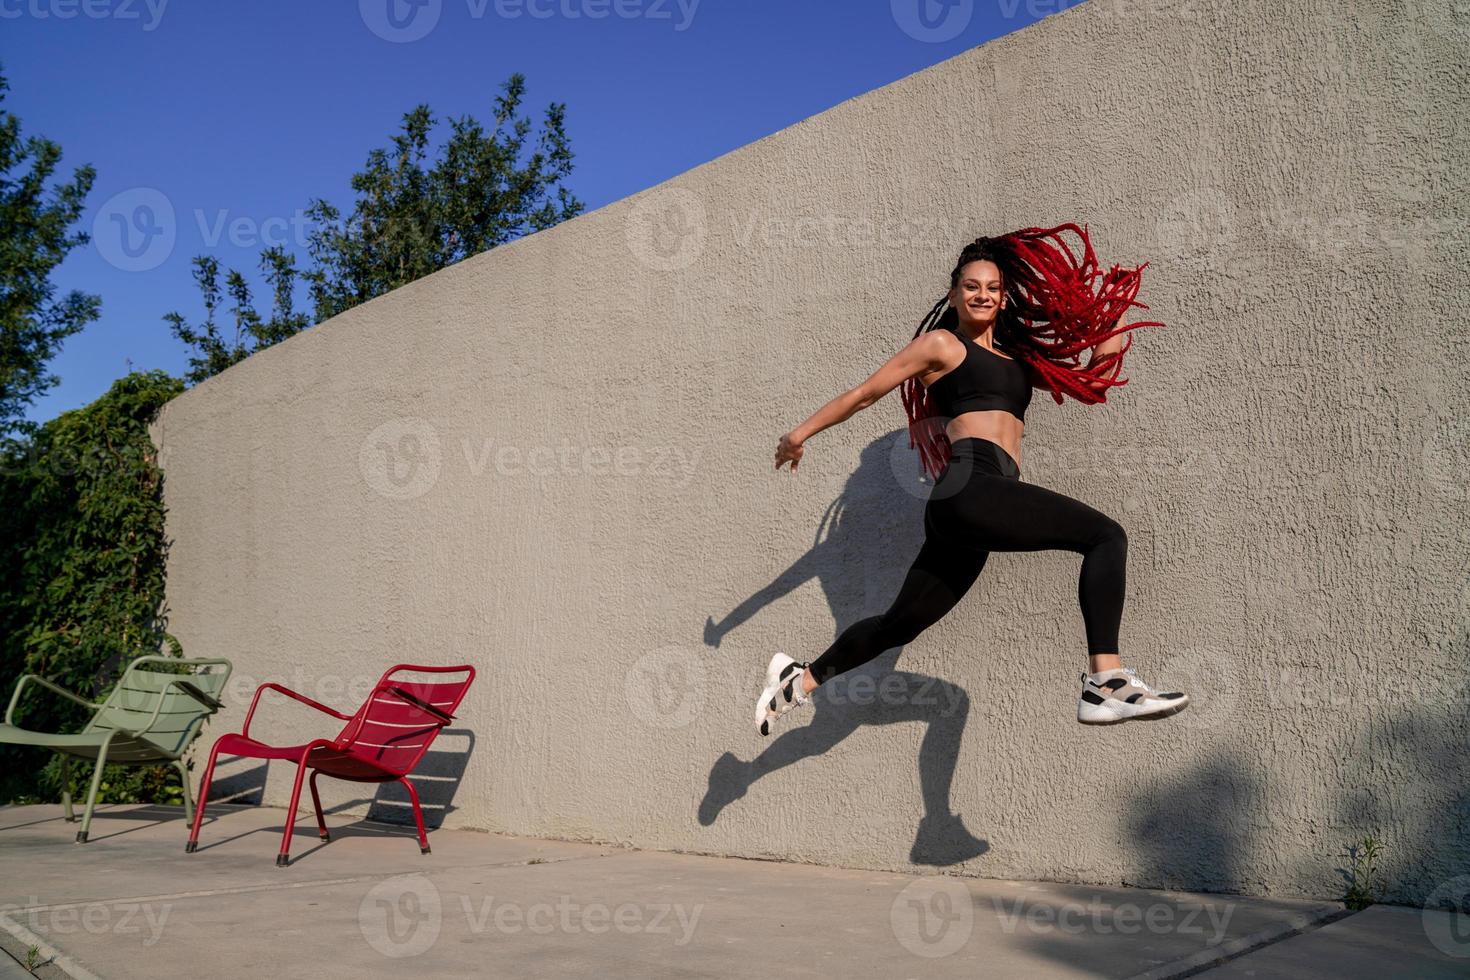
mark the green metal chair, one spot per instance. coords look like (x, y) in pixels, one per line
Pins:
(150, 717)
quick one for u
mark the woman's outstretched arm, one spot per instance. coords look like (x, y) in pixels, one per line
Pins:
(924, 353)
(1110, 346)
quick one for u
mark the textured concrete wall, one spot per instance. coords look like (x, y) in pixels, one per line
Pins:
(554, 461)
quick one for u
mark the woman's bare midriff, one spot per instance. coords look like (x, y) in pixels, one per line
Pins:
(1000, 427)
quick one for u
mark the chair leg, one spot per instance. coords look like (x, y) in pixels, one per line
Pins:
(284, 858)
(418, 814)
(71, 816)
(321, 823)
(184, 778)
(92, 793)
(193, 844)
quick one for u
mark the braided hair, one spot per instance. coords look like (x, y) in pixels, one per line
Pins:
(1057, 306)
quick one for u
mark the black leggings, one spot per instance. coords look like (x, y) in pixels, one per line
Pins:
(979, 505)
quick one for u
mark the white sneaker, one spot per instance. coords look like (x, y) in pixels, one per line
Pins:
(1112, 696)
(783, 691)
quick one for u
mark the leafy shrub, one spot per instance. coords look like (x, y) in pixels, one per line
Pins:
(82, 577)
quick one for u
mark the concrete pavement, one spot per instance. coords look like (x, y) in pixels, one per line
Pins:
(131, 903)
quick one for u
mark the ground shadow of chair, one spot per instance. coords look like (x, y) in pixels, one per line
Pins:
(382, 742)
(150, 717)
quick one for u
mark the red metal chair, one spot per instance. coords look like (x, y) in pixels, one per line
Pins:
(381, 743)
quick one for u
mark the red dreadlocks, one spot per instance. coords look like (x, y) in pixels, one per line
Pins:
(1057, 308)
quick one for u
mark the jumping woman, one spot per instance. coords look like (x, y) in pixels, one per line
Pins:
(1019, 311)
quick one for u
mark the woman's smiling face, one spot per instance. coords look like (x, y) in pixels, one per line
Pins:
(979, 294)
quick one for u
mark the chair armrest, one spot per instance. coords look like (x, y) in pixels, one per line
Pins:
(194, 691)
(270, 685)
(43, 682)
(183, 684)
(443, 716)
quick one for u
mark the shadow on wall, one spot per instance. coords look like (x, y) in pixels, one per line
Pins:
(1191, 830)
(245, 786)
(1199, 829)
(862, 551)
(1215, 826)
(1416, 740)
(436, 777)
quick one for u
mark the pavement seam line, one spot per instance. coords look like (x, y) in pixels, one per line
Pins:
(284, 886)
(1213, 956)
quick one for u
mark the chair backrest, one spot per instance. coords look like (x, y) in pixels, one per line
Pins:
(401, 718)
(175, 682)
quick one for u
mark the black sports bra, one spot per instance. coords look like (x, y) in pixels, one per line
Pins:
(982, 382)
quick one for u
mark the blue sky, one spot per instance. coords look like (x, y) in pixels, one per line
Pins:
(232, 115)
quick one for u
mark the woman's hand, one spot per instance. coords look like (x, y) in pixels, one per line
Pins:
(789, 450)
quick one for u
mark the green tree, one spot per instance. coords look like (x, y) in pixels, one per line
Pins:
(34, 240)
(212, 351)
(410, 219)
